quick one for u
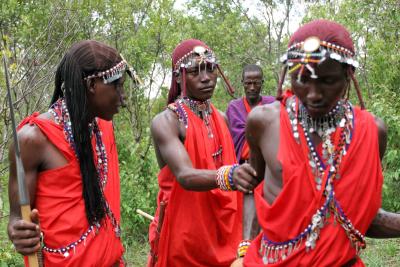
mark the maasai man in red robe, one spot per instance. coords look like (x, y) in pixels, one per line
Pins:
(197, 222)
(238, 109)
(318, 158)
(71, 164)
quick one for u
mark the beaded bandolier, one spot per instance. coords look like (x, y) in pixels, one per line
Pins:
(335, 130)
(61, 117)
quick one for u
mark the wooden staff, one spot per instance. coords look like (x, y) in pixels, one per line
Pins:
(23, 193)
(145, 214)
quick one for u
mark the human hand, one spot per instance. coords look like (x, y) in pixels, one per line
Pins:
(245, 178)
(237, 263)
(24, 235)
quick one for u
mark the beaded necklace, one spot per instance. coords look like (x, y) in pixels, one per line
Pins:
(61, 117)
(203, 110)
(273, 252)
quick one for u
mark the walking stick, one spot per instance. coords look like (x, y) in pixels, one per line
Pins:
(23, 193)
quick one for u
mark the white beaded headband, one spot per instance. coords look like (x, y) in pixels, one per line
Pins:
(313, 50)
(205, 55)
(111, 74)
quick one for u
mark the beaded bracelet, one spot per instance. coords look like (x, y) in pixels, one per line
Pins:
(243, 247)
(224, 177)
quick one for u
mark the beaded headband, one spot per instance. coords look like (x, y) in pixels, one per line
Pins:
(200, 54)
(111, 74)
(313, 50)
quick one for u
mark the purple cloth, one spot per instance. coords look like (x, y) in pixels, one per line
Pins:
(237, 116)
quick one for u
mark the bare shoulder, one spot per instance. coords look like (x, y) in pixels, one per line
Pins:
(31, 137)
(32, 142)
(380, 124)
(165, 122)
(382, 135)
(263, 116)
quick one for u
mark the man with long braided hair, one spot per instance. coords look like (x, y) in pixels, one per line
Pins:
(71, 164)
(318, 159)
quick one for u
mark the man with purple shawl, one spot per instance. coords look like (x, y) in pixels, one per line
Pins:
(238, 109)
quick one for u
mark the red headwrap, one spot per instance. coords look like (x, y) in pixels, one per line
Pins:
(325, 30)
(328, 31)
(182, 50)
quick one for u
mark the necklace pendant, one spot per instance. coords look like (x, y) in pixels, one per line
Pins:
(202, 107)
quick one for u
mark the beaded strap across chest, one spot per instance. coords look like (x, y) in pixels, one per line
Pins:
(335, 130)
(61, 117)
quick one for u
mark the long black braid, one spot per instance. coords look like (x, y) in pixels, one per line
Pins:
(83, 59)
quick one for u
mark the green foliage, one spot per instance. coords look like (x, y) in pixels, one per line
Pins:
(387, 107)
(35, 35)
(382, 253)
(138, 171)
(8, 257)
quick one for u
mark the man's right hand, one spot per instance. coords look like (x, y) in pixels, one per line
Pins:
(245, 178)
(24, 235)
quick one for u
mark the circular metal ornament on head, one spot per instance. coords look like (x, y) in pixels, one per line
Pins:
(201, 50)
(311, 44)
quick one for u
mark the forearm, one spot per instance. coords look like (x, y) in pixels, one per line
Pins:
(197, 179)
(385, 225)
(251, 227)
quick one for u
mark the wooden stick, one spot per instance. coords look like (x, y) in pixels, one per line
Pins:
(26, 216)
(144, 214)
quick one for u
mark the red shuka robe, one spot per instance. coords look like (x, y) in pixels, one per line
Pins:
(199, 228)
(61, 205)
(358, 191)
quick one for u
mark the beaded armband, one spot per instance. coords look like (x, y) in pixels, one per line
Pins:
(224, 177)
(242, 248)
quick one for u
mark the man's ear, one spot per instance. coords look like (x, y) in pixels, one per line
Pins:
(91, 85)
(178, 77)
